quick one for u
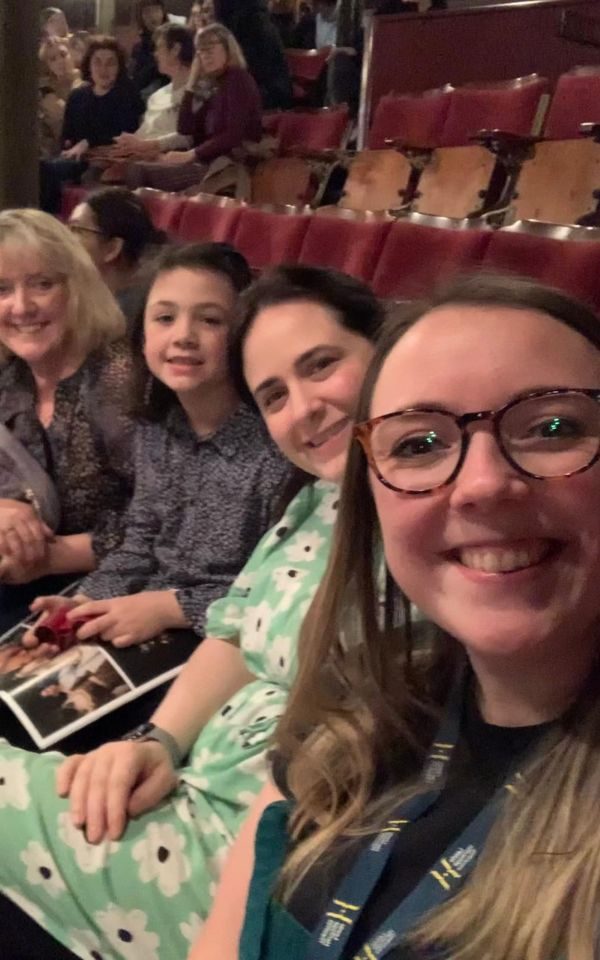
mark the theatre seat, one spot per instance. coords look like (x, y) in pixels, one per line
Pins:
(313, 129)
(270, 237)
(576, 100)
(207, 217)
(71, 196)
(307, 68)
(287, 180)
(416, 258)
(165, 209)
(345, 240)
(416, 119)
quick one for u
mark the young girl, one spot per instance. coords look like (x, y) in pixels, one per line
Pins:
(142, 892)
(445, 804)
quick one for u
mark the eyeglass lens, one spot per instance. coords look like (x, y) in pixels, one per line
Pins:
(545, 436)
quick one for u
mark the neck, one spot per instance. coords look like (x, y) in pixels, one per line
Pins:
(51, 369)
(529, 691)
(117, 277)
(209, 407)
(180, 76)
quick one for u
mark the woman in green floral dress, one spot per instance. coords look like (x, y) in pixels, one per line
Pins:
(116, 853)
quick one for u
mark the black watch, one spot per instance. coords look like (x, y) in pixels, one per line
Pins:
(149, 731)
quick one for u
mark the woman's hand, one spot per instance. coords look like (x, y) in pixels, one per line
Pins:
(76, 152)
(175, 157)
(113, 783)
(195, 73)
(23, 542)
(46, 606)
(124, 621)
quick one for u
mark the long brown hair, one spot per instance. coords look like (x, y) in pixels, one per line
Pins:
(373, 710)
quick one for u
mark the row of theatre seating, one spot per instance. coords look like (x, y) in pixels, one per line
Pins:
(530, 162)
(401, 259)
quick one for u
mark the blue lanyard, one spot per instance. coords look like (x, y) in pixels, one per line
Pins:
(441, 881)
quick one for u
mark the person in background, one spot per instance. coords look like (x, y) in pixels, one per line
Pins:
(115, 229)
(53, 23)
(64, 393)
(283, 15)
(220, 110)
(143, 68)
(99, 110)
(58, 78)
(202, 14)
(249, 22)
(79, 42)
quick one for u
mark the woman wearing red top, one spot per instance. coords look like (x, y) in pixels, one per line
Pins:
(221, 109)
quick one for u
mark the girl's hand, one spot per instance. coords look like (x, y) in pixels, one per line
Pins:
(175, 157)
(46, 606)
(77, 152)
(113, 783)
(124, 621)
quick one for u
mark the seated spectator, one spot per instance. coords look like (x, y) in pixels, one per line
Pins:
(201, 15)
(54, 23)
(58, 77)
(304, 343)
(220, 110)
(143, 68)
(261, 45)
(174, 52)
(78, 45)
(96, 112)
(64, 392)
(115, 229)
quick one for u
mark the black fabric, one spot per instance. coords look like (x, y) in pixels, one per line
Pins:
(100, 119)
(24, 939)
(143, 68)
(482, 762)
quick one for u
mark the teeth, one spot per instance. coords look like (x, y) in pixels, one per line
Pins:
(28, 327)
(327, 434)
(501, 560)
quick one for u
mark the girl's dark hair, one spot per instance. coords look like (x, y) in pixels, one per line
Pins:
(121, 213)
(173, 33)
(103, 42)
(141, 6)
(151, 398)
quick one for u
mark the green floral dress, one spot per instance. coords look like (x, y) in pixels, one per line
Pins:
(145, 897)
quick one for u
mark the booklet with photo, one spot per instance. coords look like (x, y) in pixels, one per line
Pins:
(54, 696)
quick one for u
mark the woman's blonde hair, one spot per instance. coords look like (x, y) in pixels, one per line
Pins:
(93, 316)
(235, 57)
(374, 709)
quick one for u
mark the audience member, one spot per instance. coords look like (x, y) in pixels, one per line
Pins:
(78, 45)
(479, 516)
(64, 386)
(283, 15)
(220, 110)
(202, 14)
(304, 342)
(143, 68)
(115, 229)
(261, 44)
(96, 112)
(58, 77)
(53, 23)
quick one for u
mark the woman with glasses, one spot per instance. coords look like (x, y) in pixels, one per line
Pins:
(443, 802)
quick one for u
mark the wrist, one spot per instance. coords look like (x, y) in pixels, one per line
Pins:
(150, 732)
(167, 610)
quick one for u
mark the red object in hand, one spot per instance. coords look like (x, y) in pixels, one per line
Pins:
(59, 631)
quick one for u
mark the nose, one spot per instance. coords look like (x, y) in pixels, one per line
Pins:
(304, 403)
(21, 300)
(184, 331)
(486, 478)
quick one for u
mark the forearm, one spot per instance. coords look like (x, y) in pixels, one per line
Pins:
(214, 672)
(72, 554)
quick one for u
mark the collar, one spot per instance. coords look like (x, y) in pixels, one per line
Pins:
(243, 424)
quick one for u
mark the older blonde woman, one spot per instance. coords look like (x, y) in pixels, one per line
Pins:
(63, 385)
(220, 110)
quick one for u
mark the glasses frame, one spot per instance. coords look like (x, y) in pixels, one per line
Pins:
(76, 228)
(362, 432)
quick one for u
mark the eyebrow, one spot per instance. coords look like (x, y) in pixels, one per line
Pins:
(298, 363)
(202, 304)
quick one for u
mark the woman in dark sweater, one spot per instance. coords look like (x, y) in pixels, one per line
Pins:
(106, 105)
(221, 109)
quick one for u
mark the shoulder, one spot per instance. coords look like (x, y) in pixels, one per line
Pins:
(240, 79)
(114, 358)
(248, 434)
(80, 94)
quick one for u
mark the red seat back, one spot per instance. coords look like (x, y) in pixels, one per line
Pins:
(307, 65)
(315, 130)
(510, 106)
(164, 209)
(570, 265)
(416, 258)
(267, 238)
(416, 119)
(71, 196)
(576, 100)
(203, 221)
(350, 245)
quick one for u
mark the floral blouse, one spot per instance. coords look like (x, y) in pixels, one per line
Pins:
(86, 449)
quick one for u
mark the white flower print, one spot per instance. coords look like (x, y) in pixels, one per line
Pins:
(244, 581)
(161, 858)
(304, 546)
(87, 944)
(212, 826)
(41, 869)
(287, 581)
(90, 857)
(278, 657)
(14, 784)
(255, 627)
(204, 758)
(327, 509)
(231, 615)
(31, 909)
(126, 932)
(191, 927)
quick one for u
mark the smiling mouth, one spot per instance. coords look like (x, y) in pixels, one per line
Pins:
(184, 362)
(33, 326)
(505, 559)
(326, 435)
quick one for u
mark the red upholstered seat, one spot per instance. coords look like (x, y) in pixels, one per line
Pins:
(267, 238)
(415, 119)
(509, 106)
(214, 219)
(352, 245)
(313, 130)
(576, 100)
(165, 209)
(70, 197)
(306, 70)
(570, 265)
(415, 258)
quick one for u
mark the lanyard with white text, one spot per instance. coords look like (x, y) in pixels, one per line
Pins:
(441, 881)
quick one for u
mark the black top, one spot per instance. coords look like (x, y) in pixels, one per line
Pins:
(142, 67)
(482, 762)
(100, 119)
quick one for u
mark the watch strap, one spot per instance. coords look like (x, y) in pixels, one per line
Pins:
(150, 731)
